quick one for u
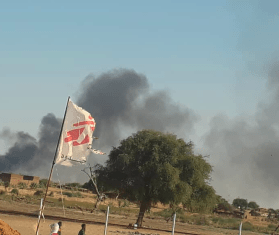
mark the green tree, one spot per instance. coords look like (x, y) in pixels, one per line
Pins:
(202, 199)
(253, 205)
(43, 183)
(150, 167)
(240, 203)
(223, 204)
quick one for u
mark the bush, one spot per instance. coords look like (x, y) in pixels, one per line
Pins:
(2, 183)
(39, 193)
(2, 192)
(43, 183)
(202, 220)
(22, 185)
(77, 194)
(272, 227)
(74, 186)
(247, 226)
(231, 223)
(33, 185)
(126, 203)
(68, 194)
(14, 191)
(6, 184)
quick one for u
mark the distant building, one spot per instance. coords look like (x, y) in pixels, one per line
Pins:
(14, 179)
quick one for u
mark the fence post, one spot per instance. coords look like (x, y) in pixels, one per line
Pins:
(240, 228)
(106, 225)
(173, 224)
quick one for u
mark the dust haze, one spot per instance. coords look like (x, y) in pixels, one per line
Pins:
(244, 149)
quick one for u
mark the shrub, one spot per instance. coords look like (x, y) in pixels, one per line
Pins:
(22, 185)
(2, 183)
(33, 185)
(126, 203)
(43, 183)
(247, 226)
(14, 191)
(39, 193)
(76, 194)
(202, 220)
(2, 192)
(272, 227)
(74, 186)
(68, 194)
(6, 184)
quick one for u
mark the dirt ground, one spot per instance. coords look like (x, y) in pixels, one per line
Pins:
(118, 224)
(27, 226)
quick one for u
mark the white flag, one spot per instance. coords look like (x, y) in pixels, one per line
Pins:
(97, 151)
(76, 137)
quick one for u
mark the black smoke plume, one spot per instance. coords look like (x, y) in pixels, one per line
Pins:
(28, 155)
(121, 102)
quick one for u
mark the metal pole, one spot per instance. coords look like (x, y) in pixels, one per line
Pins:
(173, 224)
(106, 226)
(240, 228)
(53, 163)
(40, 213)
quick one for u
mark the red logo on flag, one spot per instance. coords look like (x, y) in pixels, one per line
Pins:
(73, 135)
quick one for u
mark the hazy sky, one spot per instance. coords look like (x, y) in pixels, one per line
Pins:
(215, 58)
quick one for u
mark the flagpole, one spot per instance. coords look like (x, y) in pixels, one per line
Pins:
(53, 163)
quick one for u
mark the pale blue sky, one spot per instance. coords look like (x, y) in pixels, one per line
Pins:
(187, 47)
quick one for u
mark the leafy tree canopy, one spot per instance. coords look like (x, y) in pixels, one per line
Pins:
(223, 204)
(151, 167)
(240, 203)
(253, 205)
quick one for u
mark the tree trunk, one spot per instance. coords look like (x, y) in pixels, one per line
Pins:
(143, 207)
(98, 202)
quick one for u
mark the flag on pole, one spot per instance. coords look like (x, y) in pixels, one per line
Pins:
(97, 151)
(76, 136)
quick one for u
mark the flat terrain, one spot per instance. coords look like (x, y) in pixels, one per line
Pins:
(72, 219)
(26, 224)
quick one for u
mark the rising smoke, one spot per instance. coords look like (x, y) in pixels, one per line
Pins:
(245, 150)
(28, 155)
(121, 102)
